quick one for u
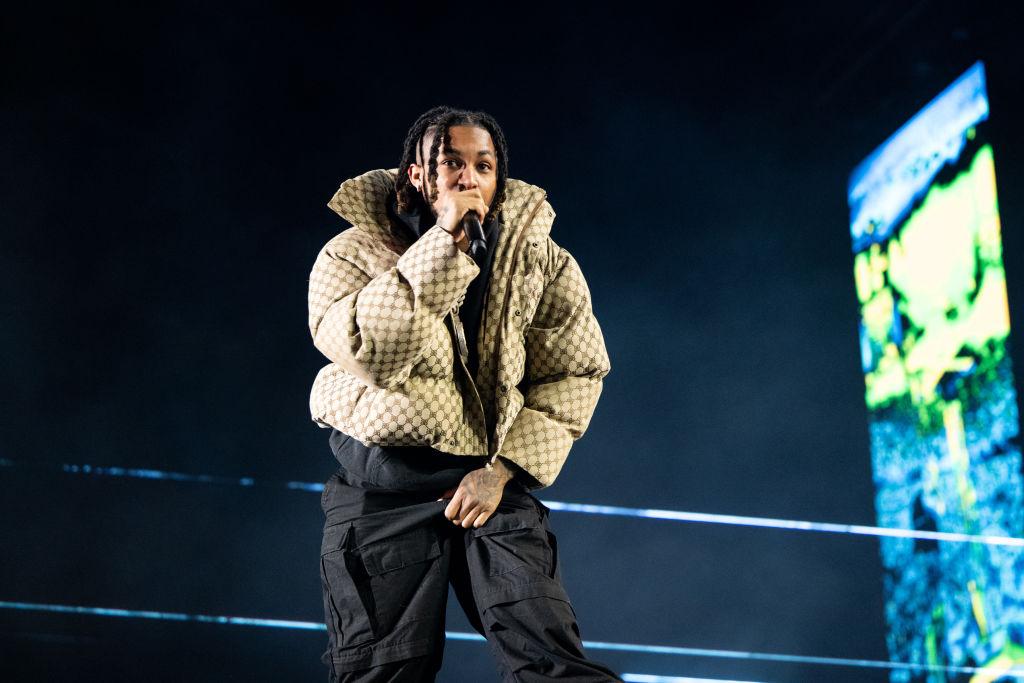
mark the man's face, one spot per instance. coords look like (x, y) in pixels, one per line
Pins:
(470, 162)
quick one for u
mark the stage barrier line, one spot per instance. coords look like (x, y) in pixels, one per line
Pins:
(652, 678)
(582, 508)
(1017, 673)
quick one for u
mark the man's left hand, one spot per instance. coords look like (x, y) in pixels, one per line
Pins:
(478, 495)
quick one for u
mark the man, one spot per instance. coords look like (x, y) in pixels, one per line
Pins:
(442, 428)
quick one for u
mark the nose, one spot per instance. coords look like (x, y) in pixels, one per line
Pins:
(467, 178)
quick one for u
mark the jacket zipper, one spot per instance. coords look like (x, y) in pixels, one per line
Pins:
(463, 349)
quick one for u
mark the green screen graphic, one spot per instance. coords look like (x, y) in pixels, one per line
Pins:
(939, 388)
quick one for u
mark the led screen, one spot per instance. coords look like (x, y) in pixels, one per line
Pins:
(939, 388)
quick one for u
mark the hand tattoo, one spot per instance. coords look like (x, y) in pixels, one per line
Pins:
(478, 495)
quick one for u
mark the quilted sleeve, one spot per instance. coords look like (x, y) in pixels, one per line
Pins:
(566, 362)
(378, 328)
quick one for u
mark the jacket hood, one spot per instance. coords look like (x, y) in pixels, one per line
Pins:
(362, 200)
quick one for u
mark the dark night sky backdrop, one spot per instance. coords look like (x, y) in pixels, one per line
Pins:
(167, 173)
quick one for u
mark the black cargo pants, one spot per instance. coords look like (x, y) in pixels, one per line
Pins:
(387, 559)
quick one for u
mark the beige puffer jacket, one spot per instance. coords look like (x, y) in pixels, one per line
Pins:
(384, 310)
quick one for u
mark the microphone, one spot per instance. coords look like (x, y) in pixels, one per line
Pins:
(475, 233)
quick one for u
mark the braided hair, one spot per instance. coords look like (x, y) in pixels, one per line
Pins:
(440, 120)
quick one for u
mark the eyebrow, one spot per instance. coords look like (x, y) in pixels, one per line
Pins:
(454, 152)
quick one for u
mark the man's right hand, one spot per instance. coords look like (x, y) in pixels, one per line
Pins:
(453, 206)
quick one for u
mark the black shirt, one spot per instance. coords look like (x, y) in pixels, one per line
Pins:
(421, 467)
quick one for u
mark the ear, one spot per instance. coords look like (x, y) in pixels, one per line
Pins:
(415, 173)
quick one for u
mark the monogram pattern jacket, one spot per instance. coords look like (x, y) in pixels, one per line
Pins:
(384, 310)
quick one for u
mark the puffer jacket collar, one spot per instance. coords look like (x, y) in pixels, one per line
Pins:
(362, 200)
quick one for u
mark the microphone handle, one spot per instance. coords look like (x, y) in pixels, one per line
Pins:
(475, 233)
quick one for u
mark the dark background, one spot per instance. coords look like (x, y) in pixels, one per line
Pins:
(166, 173)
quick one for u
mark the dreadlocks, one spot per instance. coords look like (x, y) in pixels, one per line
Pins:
(439, 120)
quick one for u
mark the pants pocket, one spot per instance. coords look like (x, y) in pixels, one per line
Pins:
(510, 543)
(512, 557)
(374, 589)
(402, 580)
(345, 614)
